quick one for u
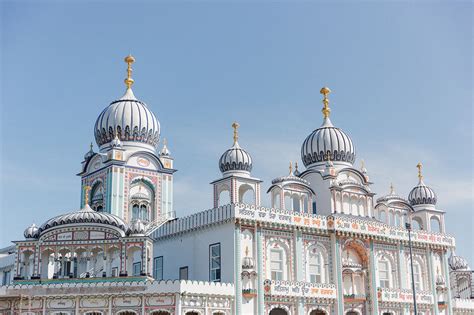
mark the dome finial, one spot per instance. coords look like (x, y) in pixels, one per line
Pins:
(392, 189)
(91, 146)
(235, 125)
(326, 110)
(86, 195)
(419, 166)
(129, 81)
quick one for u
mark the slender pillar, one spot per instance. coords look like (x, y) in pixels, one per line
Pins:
(337, 267)
(238, 269)
(444, 262)
(432, 281)
(260, 293)
(298, 240)
(373, 283)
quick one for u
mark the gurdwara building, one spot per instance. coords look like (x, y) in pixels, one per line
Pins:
(326, 244)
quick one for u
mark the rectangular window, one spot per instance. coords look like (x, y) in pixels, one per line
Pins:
(276, 264)
(115, 272)
(384, 277)
(137, 268)
(158, 268)
(6, 278)
(417, 276)
(183, 273)
(215, 262)
(315, 268)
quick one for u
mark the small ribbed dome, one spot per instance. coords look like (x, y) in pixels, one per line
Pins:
(131, 120)
(327, 142)
(84, 215)
(89, 153)
(392, 196)
(31, 232)
(457, 262)
(421, 194)
(137, 227)
(235, 159)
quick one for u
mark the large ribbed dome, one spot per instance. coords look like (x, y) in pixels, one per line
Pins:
(129, 119)
(422, 194)
(327, 142)
(85, 215)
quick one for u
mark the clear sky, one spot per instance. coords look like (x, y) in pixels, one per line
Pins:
(401, 75)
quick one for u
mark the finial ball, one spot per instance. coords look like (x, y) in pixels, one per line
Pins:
(325, 90)
(129, 59)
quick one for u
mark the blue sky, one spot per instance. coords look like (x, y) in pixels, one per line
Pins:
(401, 75)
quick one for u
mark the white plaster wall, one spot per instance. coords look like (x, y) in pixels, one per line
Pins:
(192, 250)
(323, 194)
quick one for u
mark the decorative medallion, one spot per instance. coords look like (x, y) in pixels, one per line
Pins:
(143, 162)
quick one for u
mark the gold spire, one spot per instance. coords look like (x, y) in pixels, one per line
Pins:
(235, 125)
(326, 110)
(129, 81)
(86, 194)
(419, 166)
(291, 168)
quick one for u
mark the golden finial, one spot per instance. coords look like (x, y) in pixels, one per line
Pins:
(235, 125)
(291, 168)
(326, 110)
(129, 81)
(86, 194)
(246, 251)
(392, 189)
(419, 166)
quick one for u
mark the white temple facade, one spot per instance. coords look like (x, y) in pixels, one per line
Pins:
(325, 244)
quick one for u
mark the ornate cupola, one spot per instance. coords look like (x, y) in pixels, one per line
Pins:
(235, 160)
(236, 184)
(327, 142)
(422, 194)
(128, 119)
(31, 232)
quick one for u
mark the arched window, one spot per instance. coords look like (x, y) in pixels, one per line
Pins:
(191, 313)
(278, 311)
(224, 198)
(246, 194)
(141, 200)
(276, 200)
(391, 218)
(135, 211)
(288, 202)
(345, 204)
(305, 204)
(435, 225)
(383, 216)
(97, 196)
(276, 264)
(416, 224)
(397, 219)
(317, 312)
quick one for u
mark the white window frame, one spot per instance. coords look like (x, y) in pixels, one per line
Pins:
(276, 274)
(384, 282)
(215, 271)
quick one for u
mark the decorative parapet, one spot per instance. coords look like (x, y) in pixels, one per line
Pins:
(404, 296)
(463, 305)
(300, 289)
(130, 285)
(354, 226)
(271, 217)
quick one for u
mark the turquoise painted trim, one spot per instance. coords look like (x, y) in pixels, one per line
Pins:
(448, 284)
(373, 270)
(338, 271)
(238, 271)
(108, 195)
(433, 280)
(261, 296)
(121, 202)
